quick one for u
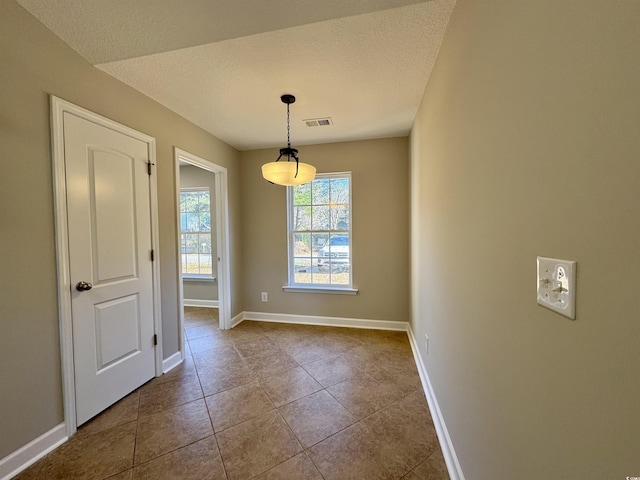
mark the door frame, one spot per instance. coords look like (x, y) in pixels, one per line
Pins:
(222, 238)
(58, 108)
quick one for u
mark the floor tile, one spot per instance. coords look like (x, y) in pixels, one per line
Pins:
(208, 342)
(219, 378)
(404, 380)
(184, 369)
(160, 396)
(126, 475)
(244, 332)
(288, 386)
(125, 411)
(363, 358)
(256, 346)
(220, 356)
(201, 331)
(331, 370)
(406, 431)
(199, 461)
(315, 417)
(311, 348)
(363, 395)
(436, 460)
(298, 467)
(257, 445)
(351, 397)
(352, 455)
(237, 405)
(93, 456)
(433, 468)
(198, 315)
(265, 365)
(171, 429)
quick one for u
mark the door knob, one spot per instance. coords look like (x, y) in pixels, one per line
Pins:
(83, 286)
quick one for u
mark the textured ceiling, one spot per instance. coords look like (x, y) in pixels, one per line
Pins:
(223, 64)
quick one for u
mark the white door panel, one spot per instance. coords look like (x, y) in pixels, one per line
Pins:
(109, 222)
(114, 228)
(117, 327)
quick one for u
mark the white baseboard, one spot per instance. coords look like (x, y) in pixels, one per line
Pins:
(192, 302)
(237, 320)
(326, 321)
(172, 362)
(33, 451)
(446, 445)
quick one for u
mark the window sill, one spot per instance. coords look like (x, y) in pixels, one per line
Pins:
(192, 278)
(329, 290)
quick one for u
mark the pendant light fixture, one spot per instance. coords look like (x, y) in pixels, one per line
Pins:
(288, 173)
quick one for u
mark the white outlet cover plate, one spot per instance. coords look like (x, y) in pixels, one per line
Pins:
(557, 285)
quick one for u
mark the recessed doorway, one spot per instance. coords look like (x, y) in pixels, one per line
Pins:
(203, 229)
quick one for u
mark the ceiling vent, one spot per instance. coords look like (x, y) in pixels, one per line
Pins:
(318, 122)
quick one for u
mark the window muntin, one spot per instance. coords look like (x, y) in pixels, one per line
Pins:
(195, 233)
(320, 253)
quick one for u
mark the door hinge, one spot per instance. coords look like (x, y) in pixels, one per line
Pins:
(149, 167)
(155, 339)
(153, 255)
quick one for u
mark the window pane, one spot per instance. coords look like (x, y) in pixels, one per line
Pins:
(320, 190)
(205, 264)
(301, 218)
(302, 270)
(190, 201)
(321, 218)
(204, 221)
(302, 194)
(340, 190)
(339, 217)
(190, 244)
(192, 222)
(319, 242)
(340, 274)
(204, 243)
(302, 245)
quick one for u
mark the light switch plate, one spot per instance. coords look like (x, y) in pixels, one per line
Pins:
(557, 285)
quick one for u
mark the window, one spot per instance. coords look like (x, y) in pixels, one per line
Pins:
(195, 232)
(320, 233)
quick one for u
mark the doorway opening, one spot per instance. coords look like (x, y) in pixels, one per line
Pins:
(203, 238)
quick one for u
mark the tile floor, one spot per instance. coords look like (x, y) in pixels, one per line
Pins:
(265, 401)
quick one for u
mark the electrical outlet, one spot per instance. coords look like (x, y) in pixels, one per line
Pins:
(426, 343)
(557, 285)
(265, 297)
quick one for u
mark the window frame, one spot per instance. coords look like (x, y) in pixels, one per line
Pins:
(204, 277)
(293, 286)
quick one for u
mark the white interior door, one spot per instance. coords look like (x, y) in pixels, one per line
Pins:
(109, 225)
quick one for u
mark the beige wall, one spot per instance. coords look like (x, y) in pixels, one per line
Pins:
(196, 177)
(380, 232)
(526, 144)
(34, 64)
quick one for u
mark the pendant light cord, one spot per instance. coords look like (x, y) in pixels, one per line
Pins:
(289, 141)
(288, 129)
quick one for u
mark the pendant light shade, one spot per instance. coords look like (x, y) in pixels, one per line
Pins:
(284, 173)
(291, 172)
